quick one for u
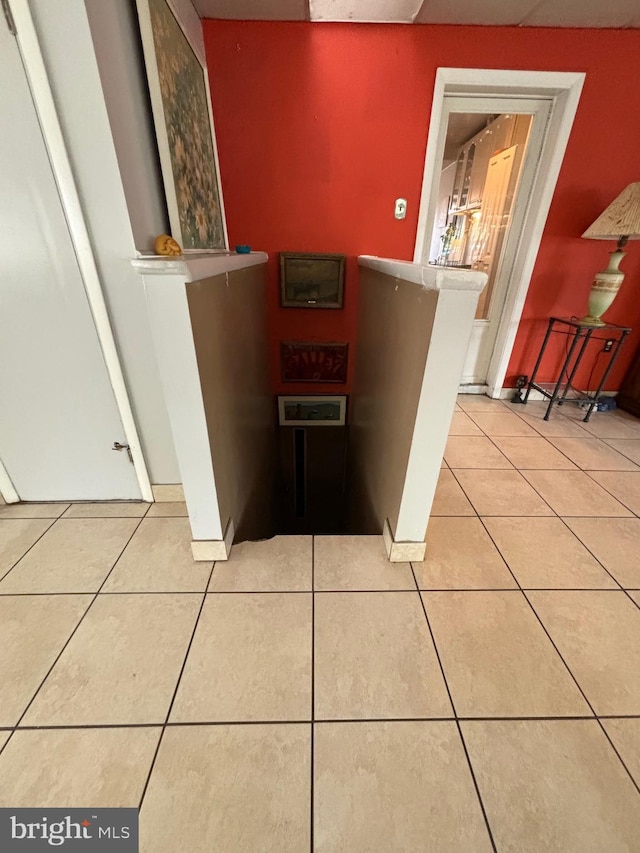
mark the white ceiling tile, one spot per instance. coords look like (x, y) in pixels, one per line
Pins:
(364, 10)
(254, 10)
(487, 12)
(583, 13)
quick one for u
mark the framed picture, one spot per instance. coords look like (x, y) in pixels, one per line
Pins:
(311, 362)
(306, 410)
(183, 122)
(311, 281)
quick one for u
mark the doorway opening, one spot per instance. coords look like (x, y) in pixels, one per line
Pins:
(493, 217)
(480, 194)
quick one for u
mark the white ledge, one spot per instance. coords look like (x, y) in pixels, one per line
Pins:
(427, 275)
(195, 267)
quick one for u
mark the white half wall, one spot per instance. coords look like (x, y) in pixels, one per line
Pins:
(70, 58)
(414, 328)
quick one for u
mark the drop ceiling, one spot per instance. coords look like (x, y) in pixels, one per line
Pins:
(518, 13)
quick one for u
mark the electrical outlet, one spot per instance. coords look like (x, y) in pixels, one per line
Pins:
(608, 345)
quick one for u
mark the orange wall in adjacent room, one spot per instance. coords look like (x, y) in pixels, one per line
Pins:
(320, 127)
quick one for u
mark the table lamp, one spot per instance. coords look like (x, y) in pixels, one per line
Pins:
(621, 222)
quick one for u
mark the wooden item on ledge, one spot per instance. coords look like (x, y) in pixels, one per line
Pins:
(311, 362)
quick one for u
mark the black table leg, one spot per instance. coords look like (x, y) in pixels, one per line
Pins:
(567, 361)
(535, 369)
(605, 376)
(585, 341)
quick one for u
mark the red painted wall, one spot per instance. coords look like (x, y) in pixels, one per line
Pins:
(320, 127)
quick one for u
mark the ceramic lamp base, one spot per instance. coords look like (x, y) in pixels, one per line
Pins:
(604, 290)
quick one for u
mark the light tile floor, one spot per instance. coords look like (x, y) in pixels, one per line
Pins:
(307, 695)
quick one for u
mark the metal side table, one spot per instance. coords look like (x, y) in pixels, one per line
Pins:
(581, 336)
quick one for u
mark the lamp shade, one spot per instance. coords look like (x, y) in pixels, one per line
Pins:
(620, 219)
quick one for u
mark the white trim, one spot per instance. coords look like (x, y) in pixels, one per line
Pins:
(401, 552)
(197, 267)
(61, 167)
(428, 276)
(564, 89)
(7, 489)
(217, 550)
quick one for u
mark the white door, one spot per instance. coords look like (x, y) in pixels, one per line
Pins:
(58, 414)
(485, 328)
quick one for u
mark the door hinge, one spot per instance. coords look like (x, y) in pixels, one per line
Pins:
(118, 446)
(9, 17)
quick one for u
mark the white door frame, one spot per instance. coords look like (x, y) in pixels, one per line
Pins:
(564, 89)
(42, 95)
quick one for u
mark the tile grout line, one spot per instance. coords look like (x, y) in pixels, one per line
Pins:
(453, 707)
(566, 665)
(70, 637)
(33, 544)
(175, 690)
(635, 784)
(313, 690)
(605, 489)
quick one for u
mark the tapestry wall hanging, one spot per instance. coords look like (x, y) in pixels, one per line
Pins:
(311, 362)
(184, 129)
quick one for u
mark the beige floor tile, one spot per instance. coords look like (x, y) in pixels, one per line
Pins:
(625, 735)
(75, 555)
(33, 630)
(624, 485)
(629, 447)
(497, 660)
(107, 509)
(4, 737)
(17, 535)
(542, 553)
(575, 493)
(598, 635)
(122, 664)
(557, 425)
(374, 658)
(282, 563)
(534, 452)
(461, 424)
(228, 789)
(400, 786)
(101, 768)
(167, 508)
(471, 451)
(357, 562)
(611, 425)
(449, 498)
(554, 786)
(250, 660)
(615, 542)
(502, 424)
(501, 493)
(159, 559)
(480, 403)
(635, 596)
(461, 555)
(32, 510)
(592, 454)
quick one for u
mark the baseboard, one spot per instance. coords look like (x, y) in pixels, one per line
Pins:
(168, 493)
(402, 552)
(214, 550)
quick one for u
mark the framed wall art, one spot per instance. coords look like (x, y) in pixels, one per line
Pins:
(311, 281)
(307, 410)
(183, 122)
(314, 362)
